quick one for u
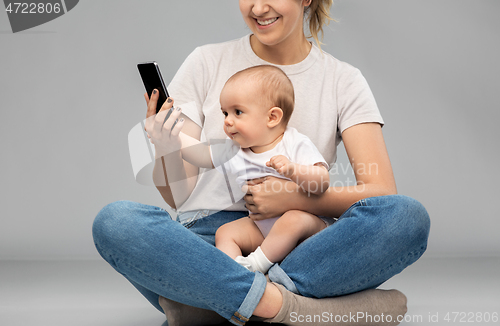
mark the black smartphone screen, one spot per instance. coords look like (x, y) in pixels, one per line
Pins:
(151, 77)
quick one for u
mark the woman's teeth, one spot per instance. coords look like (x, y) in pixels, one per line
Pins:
(266, 22)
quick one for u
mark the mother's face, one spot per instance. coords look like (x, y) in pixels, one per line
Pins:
(274, 21)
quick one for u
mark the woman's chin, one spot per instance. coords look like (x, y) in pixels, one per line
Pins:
(266, 39)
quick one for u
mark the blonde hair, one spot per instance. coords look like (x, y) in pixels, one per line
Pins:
(318, 14)
(276, 87)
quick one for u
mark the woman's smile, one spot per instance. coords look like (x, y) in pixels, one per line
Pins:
(263, 23)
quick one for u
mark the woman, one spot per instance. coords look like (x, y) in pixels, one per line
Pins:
(378, 232)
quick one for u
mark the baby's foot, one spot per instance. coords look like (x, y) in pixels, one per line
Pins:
(243, 261)
(256, 261)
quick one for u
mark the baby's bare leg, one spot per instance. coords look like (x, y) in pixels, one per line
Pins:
(288, 231)
(238, 238)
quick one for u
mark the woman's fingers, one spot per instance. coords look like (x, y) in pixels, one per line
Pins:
(256, 217)
(251, 208)
(244, 189)
(256, 181)
(172, 119)
(163, 117)
(177, 128)
(151, 102)
(159, 120)
(248, 198)
(146, 97)
(169, 103)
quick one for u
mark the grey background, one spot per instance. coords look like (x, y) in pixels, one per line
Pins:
(70, 93)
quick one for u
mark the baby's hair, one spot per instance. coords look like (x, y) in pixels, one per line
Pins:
(318, 14)
(276, 87)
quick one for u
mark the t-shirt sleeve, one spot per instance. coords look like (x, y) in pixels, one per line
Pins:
(188, 88)
(355, 100)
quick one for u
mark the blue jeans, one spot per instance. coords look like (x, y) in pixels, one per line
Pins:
(375, 239)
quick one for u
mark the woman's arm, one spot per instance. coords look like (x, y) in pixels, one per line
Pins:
(173, 177)
(183, 173)
(368, 155)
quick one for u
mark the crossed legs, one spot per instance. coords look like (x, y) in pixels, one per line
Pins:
(374, 240)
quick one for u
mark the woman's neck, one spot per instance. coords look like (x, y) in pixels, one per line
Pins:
(288, 52)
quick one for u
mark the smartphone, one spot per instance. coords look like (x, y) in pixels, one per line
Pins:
(151, 77)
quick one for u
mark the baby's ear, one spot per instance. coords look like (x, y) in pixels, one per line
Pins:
(275, 115)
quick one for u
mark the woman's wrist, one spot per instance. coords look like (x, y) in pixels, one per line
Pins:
(298, 199)
(159, 152)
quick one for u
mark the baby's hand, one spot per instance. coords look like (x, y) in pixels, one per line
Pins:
(283, 165)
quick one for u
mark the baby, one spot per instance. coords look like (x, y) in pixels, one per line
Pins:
(257, 104)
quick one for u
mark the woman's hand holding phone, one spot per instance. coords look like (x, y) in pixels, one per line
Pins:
(163, 128)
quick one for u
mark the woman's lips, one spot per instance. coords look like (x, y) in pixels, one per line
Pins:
(265, 23)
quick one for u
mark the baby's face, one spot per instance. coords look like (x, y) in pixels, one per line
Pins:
(245, 118)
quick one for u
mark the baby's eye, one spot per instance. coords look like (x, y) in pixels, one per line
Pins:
(238, 112)
(224, 113)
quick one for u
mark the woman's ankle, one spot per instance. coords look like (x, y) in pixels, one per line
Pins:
(270, 303)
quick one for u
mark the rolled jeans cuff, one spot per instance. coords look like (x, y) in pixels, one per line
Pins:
(251, 301)
(278, 275)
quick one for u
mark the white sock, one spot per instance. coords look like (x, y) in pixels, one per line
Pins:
(256, 261)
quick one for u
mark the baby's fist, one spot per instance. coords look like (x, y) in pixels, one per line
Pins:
(282, 165)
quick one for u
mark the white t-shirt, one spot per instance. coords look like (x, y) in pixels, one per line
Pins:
(247, 165)
(330, 96)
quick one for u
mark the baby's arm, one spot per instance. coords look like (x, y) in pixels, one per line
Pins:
(195, 152)
(314, 179)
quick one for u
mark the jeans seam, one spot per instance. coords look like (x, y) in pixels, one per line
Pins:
(164, 283)
(349, 211)
(200, 214)
(190, 224)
